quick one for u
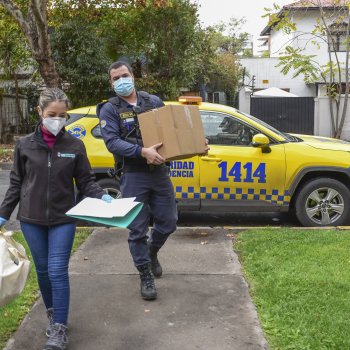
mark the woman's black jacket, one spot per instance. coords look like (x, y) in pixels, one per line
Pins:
(42, 179)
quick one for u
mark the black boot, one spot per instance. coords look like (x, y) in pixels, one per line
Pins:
(155, 265)
(148, 289)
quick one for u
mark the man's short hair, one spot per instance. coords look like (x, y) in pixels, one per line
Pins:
(118, 64)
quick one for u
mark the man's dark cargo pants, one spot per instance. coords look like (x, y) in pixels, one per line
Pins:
(152, 187)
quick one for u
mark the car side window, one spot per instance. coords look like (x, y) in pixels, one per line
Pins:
(96, 131)
(222, 129)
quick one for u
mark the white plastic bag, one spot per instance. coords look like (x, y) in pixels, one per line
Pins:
(14, 267)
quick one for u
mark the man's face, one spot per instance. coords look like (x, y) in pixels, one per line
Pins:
(121, 72)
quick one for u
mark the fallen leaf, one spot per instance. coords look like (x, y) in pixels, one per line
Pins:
(204, 242)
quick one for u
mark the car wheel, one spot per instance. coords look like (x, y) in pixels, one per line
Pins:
(323, 202)
(111, 186)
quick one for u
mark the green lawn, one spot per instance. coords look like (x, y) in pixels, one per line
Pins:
(6, 153)
(12, 314)
(300, 283)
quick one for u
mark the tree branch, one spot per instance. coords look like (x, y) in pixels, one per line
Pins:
(38, 12)
(329, 34)
(345, 106)
(290, 41)
(16, 13)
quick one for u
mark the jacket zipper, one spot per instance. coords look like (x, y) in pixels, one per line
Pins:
(48, 185)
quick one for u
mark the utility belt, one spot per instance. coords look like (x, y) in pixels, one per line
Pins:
(146, 168)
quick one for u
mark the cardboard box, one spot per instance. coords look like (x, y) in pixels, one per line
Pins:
(178, 127)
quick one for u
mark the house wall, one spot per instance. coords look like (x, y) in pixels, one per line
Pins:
(323, 124)
(302, 38)
(244, 100)
(219, 95)
(265, 69)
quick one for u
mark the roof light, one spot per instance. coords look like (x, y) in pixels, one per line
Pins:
(190, 100)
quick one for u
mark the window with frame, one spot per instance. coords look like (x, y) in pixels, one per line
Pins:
(339, 36)
(222, 129)
(214, 97)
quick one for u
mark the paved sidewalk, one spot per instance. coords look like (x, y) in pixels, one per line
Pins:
(203, 301)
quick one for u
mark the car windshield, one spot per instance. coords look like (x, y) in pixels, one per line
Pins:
(73, 117)
(288, 137)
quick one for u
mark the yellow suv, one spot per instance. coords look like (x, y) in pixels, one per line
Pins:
(251, 167)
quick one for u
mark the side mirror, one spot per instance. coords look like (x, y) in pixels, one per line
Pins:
(261, 141)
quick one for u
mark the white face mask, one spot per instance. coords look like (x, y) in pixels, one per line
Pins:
(54, 124)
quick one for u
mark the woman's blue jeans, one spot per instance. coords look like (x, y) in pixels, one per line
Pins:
(51, 247)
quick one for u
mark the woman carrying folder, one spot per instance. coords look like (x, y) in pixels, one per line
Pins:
(46, 165)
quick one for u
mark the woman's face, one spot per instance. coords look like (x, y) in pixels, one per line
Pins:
(54, 109)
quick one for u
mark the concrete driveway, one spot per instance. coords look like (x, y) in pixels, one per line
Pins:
(203, 300)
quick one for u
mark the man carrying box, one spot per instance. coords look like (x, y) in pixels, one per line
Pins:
(144, 173)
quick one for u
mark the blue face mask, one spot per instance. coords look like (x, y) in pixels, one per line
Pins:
(124, 86)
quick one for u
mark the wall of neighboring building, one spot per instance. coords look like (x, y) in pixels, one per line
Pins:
(303, 38)
(268, 75)
(278, 42)
(24, 77)
(216, 97)
(323, 123)
(244, 100)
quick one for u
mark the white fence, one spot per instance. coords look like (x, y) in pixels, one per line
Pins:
(11, 121)
(323, 122)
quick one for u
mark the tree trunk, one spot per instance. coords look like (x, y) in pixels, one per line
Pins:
(346, 97)
(48, 72)
(35, 28)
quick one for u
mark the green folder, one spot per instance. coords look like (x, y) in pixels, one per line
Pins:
(124, 221)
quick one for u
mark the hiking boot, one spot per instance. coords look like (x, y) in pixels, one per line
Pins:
(58, 338)
(49, 313)
(155, 265)
(148, 288)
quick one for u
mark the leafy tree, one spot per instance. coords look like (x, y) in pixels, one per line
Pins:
(14, 54)
(32, 20)
(81, 61)
(332, 30)
(226, 43)
(161, 41)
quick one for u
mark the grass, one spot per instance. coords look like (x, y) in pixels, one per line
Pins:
(6, 153)
(300, 283)
(13, 313)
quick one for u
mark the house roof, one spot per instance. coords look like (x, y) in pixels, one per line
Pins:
(273, 92)
(306, 5)
(315, 3)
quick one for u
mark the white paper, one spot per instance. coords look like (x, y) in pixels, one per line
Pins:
(101, 209)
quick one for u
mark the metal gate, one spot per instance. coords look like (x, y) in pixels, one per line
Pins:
(288, 114)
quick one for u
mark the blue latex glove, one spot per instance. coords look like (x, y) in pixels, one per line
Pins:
(107, 198)
(2, 221)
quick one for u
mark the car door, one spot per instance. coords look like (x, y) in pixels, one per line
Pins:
(236, 174)
(184, 175)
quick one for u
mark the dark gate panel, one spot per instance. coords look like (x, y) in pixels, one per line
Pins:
(288, 114)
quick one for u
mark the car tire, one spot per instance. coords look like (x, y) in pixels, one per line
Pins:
(111, 186)
(323, 202)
